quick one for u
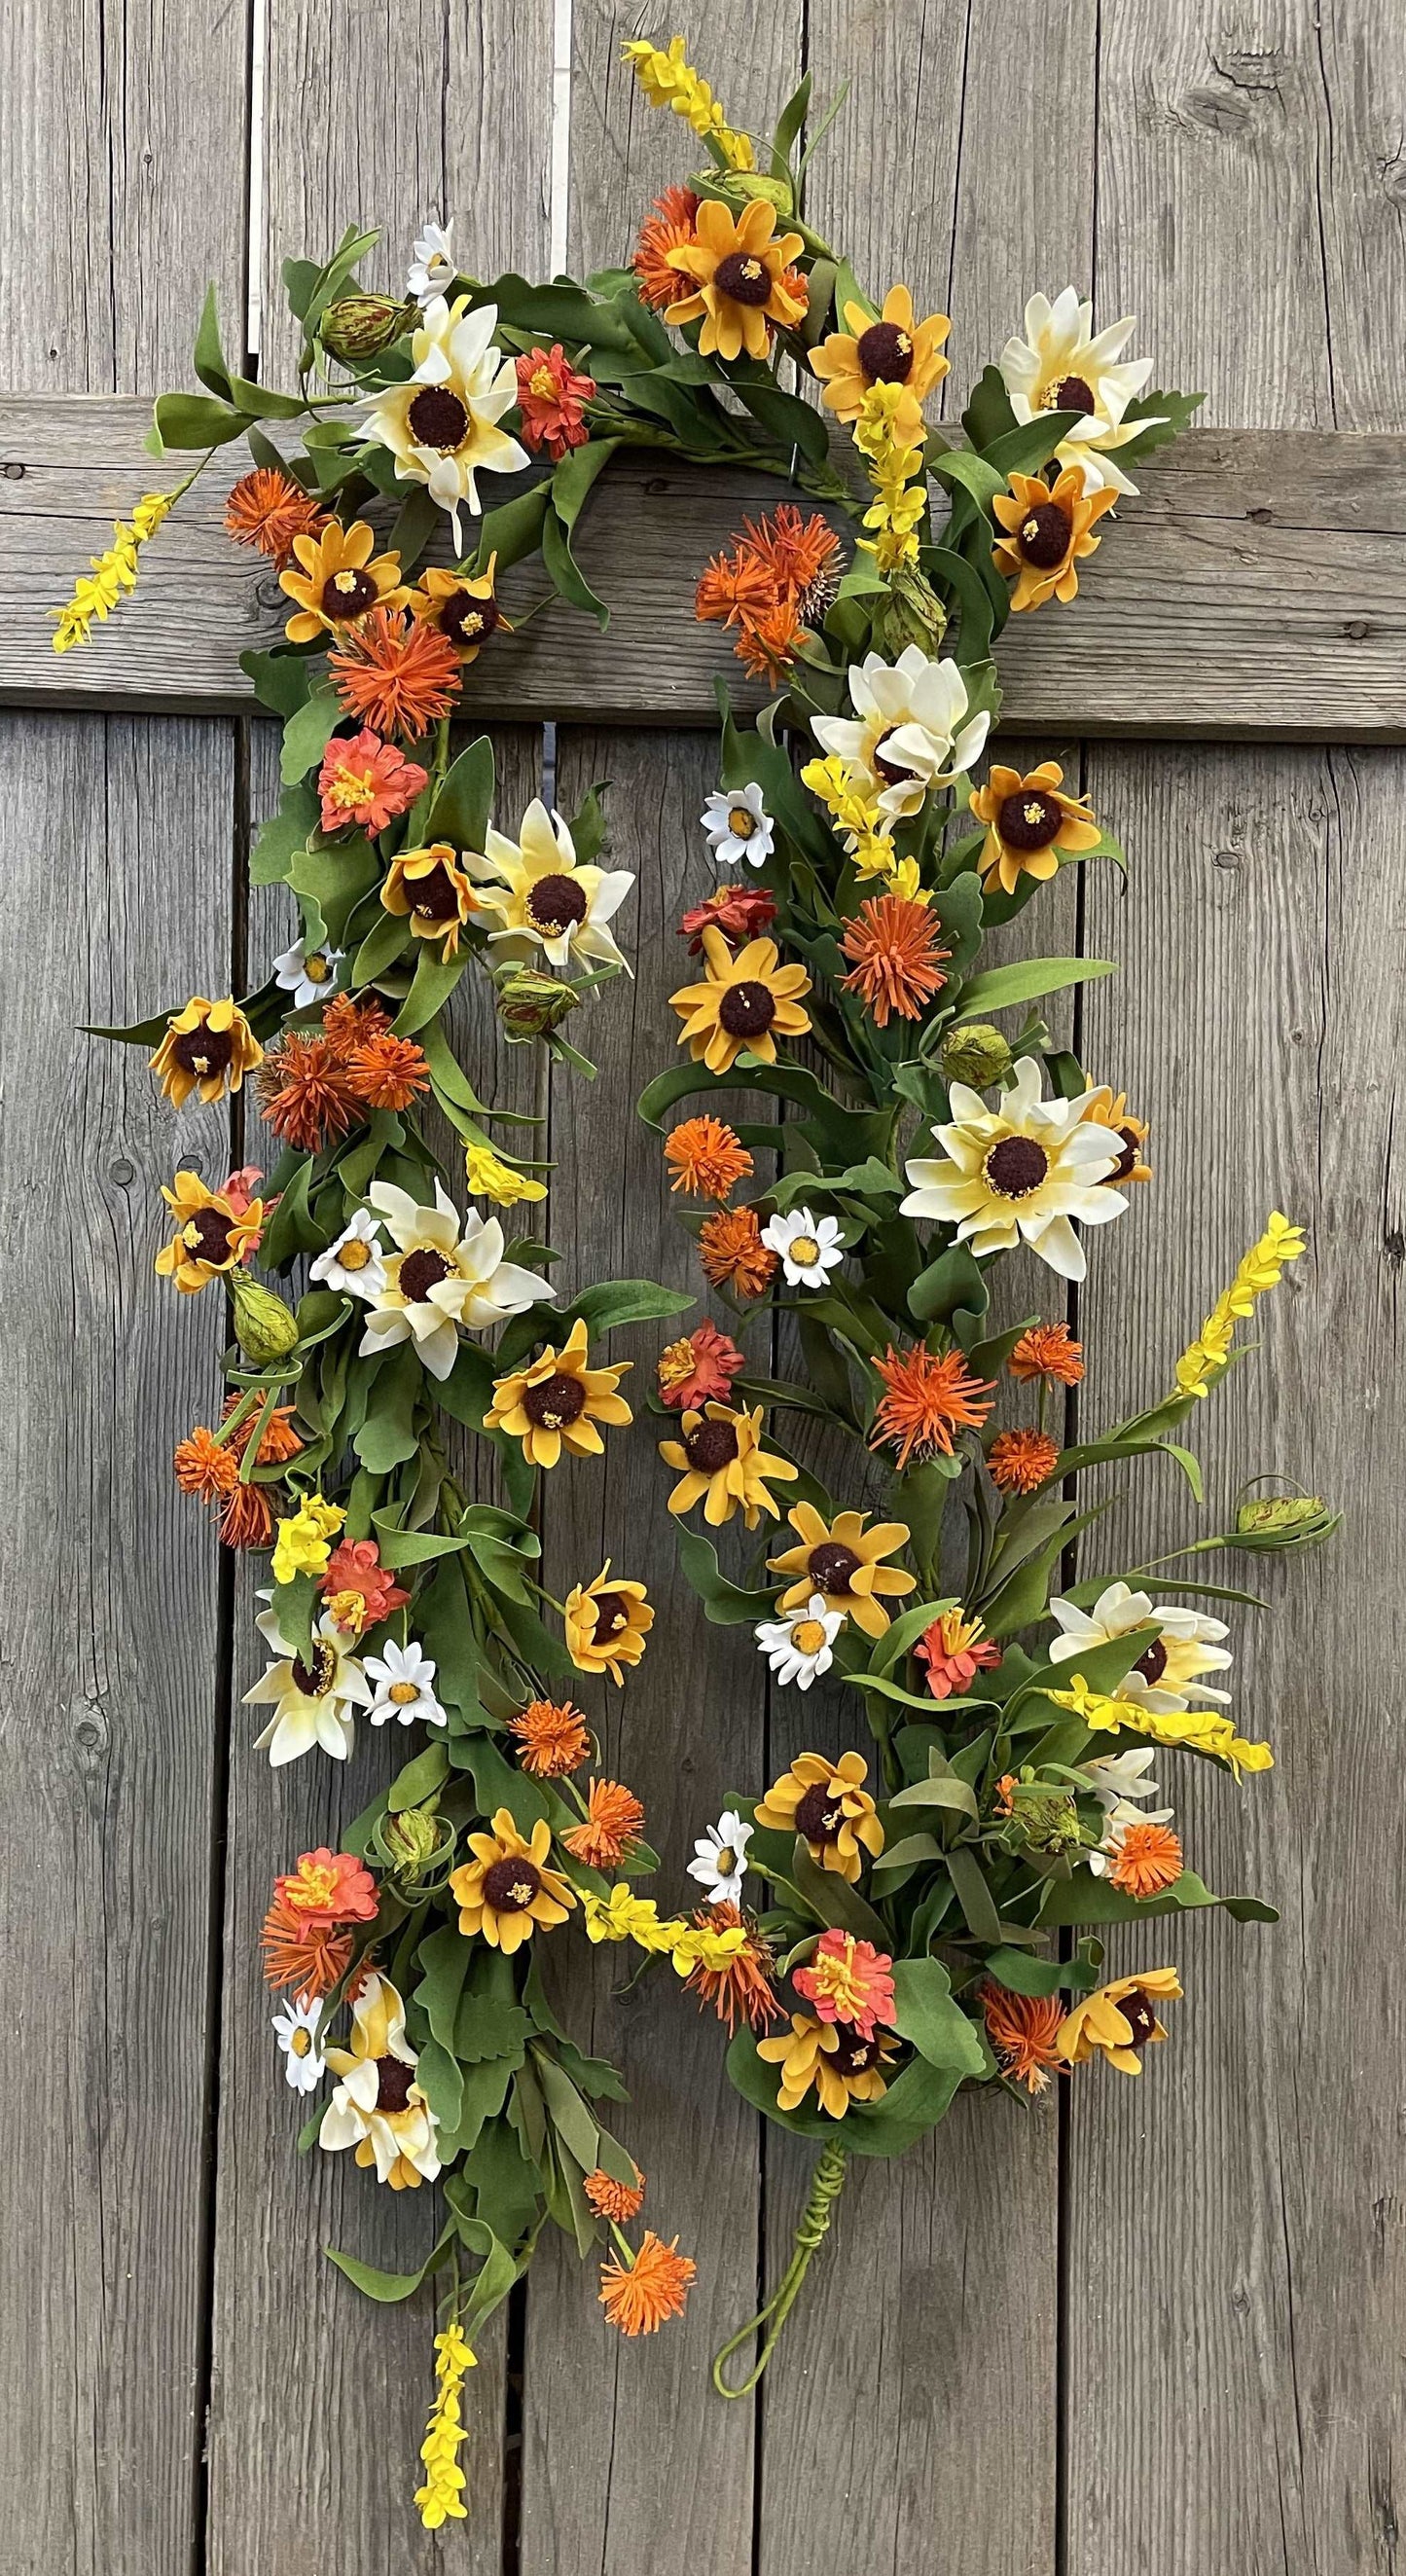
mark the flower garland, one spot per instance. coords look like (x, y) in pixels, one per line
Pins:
(914, 1934)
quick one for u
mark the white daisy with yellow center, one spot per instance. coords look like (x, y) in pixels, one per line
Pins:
(1019, 1173)
(1063, 364)
(314, 1696)
(404, 1685)
(354, 1265)
(801, 1646)
(444, 1272)
(295, 2029)
(442, 425)
(910, 731)
(545, 898)
(808, 1247)
(720, 1858)
(309, 974)
(378, 2108)
(738, 826)
(1168, 1674)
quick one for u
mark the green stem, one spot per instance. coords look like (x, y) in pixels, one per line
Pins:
(255, 1441)
(827, 2182)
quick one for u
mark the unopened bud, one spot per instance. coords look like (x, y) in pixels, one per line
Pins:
(912, 613)
(977, 1054)
(414, 1841)
(741, 186)
(531, 1005)
(265, 1329)
(360, 326)
(1282, 1521)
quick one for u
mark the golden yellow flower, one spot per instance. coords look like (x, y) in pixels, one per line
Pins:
(838, 2060)
(744, 1003)
(895, 350)
(1262, 1268)
(1117, 2021)
(1047, 534)
(489, 1177)
(464, 606)
(208, 1047)
(843, 1561)
(507, 1889)
(441, 2498)
(1108, 1108)
(378, 2107)
(1029, 821)
(111, 575)
(556, 1402)
(738, 266)
(720, 1455)
(606, 1624)
(828, 1804)
(435, 889)
(209, 1237)
(668, 79)
(336, 578)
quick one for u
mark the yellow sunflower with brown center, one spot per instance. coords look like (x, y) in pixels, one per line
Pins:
(606, 1624)
(1030, 824)
(739, 270)
(507, 1890)
(844, 1561)
(463, 606)
(1048, 533)
(721, 1462)
(892, 350)
(556, 1403)
(841, 2064)
(744, 1004)
(338, 578)
(434, 888)
(829, 1806)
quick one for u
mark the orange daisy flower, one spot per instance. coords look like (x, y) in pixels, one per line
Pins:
(733, 1254)
(670, 227)
(553, 1738)
(1021, 2029)
(741, 1991)
(707, 1156)
(612, 2199)
(927, 1396)
(306, 1094)
(1048, 1351)
(388, 1072)
(204, 1467)
(247, 1520)
(896, 956)
(268, 510)
(699, 1369)
(1148, 1858)
(299, 1952)
(395, 674)
(638, 2297)
(1020, 1461)
(359, 1590)
(328, 1887)
(552, 399)
(612, 1827)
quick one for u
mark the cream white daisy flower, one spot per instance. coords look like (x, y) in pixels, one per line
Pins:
(738, 826)
(404, 1680)
(800, 1646)
(440, 1277)
(442, 425)
(432, 268)
(907, 734)
(378, 2107)
(1168, 1675)
(355, 1264)
(720, 1858)
(295, 2029)
(1062, 364)
(1019, 1173)
(545, 897)
(808, 1246)
(1116, 1777)
(307, 973)
(314, 1701)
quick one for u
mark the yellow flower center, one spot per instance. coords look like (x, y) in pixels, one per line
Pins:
(726, 1861)
(300, 2043)
(354, 1255)
(351, 787)
(312, 1889)
(316, 968)
(805, 1251)
(543, 383)
(808, 1636)
(741, 822)
(403, 1693)
(347, 582)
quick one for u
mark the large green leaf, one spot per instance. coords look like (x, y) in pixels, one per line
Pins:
(926, 2015)
(461, 809)
(1005, 986)
(1082, 1898)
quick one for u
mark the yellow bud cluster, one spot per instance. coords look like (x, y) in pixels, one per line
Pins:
(302, 1546)
(441, 2498)
(98, 591)
(1203, 1361)
(668, 79)
(623, 1916)
(489, 1177)
(896, 472)
(1195, 1730)
(853, 809)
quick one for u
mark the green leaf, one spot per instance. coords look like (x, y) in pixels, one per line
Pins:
(388, 1434)
(196, 420)
(1083, 1898)
(927, 2017)
(973, 1894)
(951, 1794)
(1005, 986)
(282, 680)
(575, 478)
(988, 415)
(1163, 416)
(283, 836)
(292, 1228)
(566, 2110)
(420, 1778)
(567, 578)
(209, 357)
(436, 977)
(724, 1604)
(388, 2286)
(464, 803)
(833, 1901)
(386, 941)
(307, 733)
(788, 126)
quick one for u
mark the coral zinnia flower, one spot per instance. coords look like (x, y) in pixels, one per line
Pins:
(828, 1804)
(1048, 534)
(1106, 1108)
(1146, 1857)
(388, 1072)
(328, 1887)
(507, 1889)
(720, 1456)
(463, 606)
(741, 1988)
(268, 509)
(208, 1047)
(743, 1003)
(733, 276)
(842, 2065)
(366, 781)
(307, 1097)
(358, 1588)
(928, 1395)
(434, 888)
(639, 2296)
(553, 1738)
(339, 578)
(1047, 1351)
(556, 1402)
(606, 1624)
(848, 1980)
(208, 1238)
(205, 1467)
(1022, 2030)
(308, 1955)
(894, 350)
(954, 1650)
(897, 957)
(698, 1369)
(1029, 821)
(552, 399)
(1021, 1461)
(394, 674)
(707, 1157)
(843, 1560)
(670, 227)
(1118, 2020)
(741, 913)
(611, 1830)
(733, 1254)
(610, 2198)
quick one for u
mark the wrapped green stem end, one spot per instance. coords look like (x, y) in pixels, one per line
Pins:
(827, 2183)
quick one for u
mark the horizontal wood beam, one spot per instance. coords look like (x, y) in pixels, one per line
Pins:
(1254, 588)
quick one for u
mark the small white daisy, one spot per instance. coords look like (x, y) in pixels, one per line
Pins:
(432, 269)
(295, 2029)
(353, 1265)
(799, 1647)
(403, 1677)
(738, 826)
(721, 1862)
(809, 1246)
(307, 973)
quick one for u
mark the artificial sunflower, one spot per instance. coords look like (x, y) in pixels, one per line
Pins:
(378, 2107)
(1118, 2021)
(744, 1003)
(1029, 823)
(209, 1237)
(606, 1624)
(556, 1402)
(738, 268)
(433, 887)
(543, 897)
(441, 423)
(1019, 1172)
(208, 1047)
(843, 1560)
(1108, 1108)
(507, 1889)
(1048, 533)
(927, 1396)
(720, 1455)
(462, 606)
(841, 2064)
(894, 350)
(338, 578)
(829, 1806)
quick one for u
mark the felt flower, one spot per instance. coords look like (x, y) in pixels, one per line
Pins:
(543, 897)
(378, 2107)
(733, 277)
(388, 1072)
(432, 270)
(366, 782)
(1062, 364)
(807, 1247)
(431, 888)
(314, 1700)
(611, 2198)
(1030, 823)
(1139, 1854)
(208, 1239)
(1115, 1778)
(552, 398)
(208, 1048)
(556, 1402)
(844, 1561)
(779, 577)
(489, 1177)
(306, 972)
(444, 1273)
(848, 1980)
(1118, 2021)
(720, 1462)
(441, 2498)
(719, 1860)
(641, 2294)
(267, 509)
(328, 1887)
(394, 674)
(307, 1096)
(295, 2029)
(507, 1891)
(359, 1591)
(953, 1651)
(894, 350)
(706, 1157)
(698, 1369)
(335, 577)
(1048, 533)
(1022, 1461)
(305, 1538)
(910, 732)
(928, 1395)
(840, 2064)
(741, 913)
(669, 227)
(404, 1685)
(799, 1648)
(1170, 1674)
(611, 1828)
(441, 425)
(462, 607)
(732, 1252)
(828, 1805)
(606, 1624)
(1018, 1173)
(353, 1264)
(738, 826)
(736, 1986)
(743, 1004)
(1108, 1108)
(1047, 1351)
(552, 1736)
(1023, 2030)
(897, 957)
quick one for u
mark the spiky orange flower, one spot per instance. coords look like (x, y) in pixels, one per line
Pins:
(1021, 2029)
(268, 509)
(707, 1157)
(612, 2199)
(897, 957)
(670, 227)
(1048, 1351)
(741, 1990)
(308, 1955)
(638, 2297)
(279, 1441)
(307, 1097)
(350, 1024)
(1147, 1860)
(612, 1827)
(1022, 1460)
(388, 1072)
(553, 1738)
(247, 1521)
(779, 578)
(204, 1467)
(733, 1254)
(927, 1396)
(395, 674)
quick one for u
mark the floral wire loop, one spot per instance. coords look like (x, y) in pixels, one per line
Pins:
(827, 2183)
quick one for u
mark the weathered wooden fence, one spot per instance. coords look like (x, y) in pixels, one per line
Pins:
(1158, 2326)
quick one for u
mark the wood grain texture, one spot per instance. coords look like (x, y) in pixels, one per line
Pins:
(1236, 2253)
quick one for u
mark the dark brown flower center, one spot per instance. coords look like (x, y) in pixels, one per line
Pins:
(437, 418)
(510, 1885)
(711, 1445)
(854, 2054)
(203, 1050)
(313, 1677)
(554, 1402)
(1153, 1663)
(419, 1273)
(892, 770)
(347, 594)
(1130, 1156)
(1072, 393)
(1016, 1166)
(435, 894)
(1029, 820)
(747, 1010)
(886, 353)
(742, 278)
(820, 1814)
(393, 2081)
(207, 1236)
(1140, 2013)
(1044, 535)
(612, 1614)
(556, 903)
(466, 620)
(832, 1567)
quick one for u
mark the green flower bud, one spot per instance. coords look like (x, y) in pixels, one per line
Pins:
(265, 1329)
(1281, 1521)
(360, 326)
(1045, 1820)
(911, 614)
(531, 1005)
(738, 187)
(977, 1054)
(413, 1843)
